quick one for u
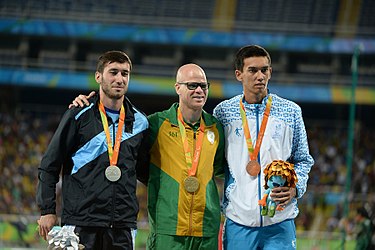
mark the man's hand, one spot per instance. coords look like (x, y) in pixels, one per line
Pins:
(45, 224)
(81, 100)
(283, 195)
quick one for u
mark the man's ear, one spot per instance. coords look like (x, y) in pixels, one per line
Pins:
(238, 75)
(177, 88)
(270, 72)
(98, 77)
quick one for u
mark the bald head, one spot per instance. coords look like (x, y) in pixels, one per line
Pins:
(190, 79)
(190, 73)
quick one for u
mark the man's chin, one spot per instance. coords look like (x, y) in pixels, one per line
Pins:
(198, 105)
(117, 96)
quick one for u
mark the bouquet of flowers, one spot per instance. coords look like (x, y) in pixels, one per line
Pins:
(63, 238)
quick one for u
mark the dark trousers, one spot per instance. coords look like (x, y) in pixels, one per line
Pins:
(94, 238)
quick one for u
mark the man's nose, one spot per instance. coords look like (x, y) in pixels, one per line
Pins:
(119, 77)
(199, 88)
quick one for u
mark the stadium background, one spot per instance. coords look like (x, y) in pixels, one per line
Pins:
(48, 51)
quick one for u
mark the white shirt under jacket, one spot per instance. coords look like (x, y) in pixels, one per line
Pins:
(284, 139)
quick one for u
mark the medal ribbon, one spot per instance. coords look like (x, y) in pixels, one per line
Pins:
(192, 163)
(112, 152)
(253, 153)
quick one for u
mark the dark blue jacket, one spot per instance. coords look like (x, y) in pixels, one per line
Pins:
(78, 150)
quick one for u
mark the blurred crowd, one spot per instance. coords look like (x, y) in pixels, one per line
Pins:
(329, 148)
(24, 138)
(330, 186)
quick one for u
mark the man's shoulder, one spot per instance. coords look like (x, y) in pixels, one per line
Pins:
(130, 107)
(159, 115)
(229, 102)
(164, 114)
(283, 102)
(78, 112)
(227, 107)
(139, 114)
(210, 119)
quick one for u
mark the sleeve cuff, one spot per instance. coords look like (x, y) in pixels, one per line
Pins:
(47, 211)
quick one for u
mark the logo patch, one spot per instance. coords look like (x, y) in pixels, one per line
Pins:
(237, 131)
(294, 245)
(277, 132)
(211, 136)
(172, 134)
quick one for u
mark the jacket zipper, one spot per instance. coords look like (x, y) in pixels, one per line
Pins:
(113, 184)
(191, 215)
(192, 196)
(259, 176)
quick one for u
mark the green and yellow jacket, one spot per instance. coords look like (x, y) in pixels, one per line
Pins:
(172, 210)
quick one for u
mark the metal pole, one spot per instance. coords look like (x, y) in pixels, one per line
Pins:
(349, 152)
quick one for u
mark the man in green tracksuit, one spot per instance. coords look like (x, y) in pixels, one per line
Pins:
(364, 230)
(186, 151)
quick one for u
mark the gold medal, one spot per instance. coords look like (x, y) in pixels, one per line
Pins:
(191, 184)
(253, 168)
(113, 173)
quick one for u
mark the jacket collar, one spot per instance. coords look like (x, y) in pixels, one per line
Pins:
(173, 117)
(128, 106)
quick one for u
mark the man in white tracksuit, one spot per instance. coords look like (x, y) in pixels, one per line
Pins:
(276, 131)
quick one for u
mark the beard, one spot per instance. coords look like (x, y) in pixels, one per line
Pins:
(113, 94)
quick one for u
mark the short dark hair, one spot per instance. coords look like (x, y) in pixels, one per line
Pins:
(249, 51)
(110, 57)
(363, 212)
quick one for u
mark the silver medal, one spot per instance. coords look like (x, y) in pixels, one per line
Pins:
(113, 173)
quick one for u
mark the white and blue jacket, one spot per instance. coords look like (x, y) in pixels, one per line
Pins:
(285, 139)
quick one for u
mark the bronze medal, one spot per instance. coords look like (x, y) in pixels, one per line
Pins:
(113, 173)
(253, 168)
(191, 184)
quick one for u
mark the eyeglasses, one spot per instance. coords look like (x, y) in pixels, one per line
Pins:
(195, 85)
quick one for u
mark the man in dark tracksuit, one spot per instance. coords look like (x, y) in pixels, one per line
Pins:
(95, 149)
